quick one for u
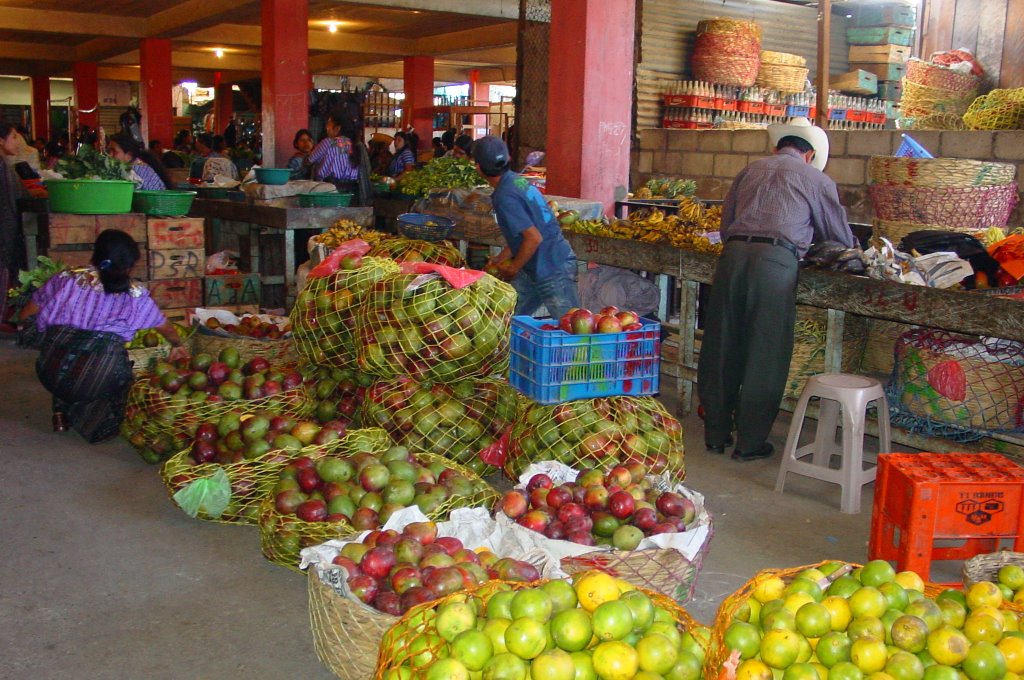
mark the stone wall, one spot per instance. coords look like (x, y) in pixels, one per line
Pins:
(713, 157)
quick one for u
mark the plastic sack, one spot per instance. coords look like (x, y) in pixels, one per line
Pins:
(456, 420)
(602, 286)
(598, 433)
(420, 325)
(208, 496)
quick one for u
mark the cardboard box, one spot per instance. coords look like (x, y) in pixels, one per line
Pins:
(176, 293)
(879, 54)
(856, 82)
(232, 289)
(175, 233)
(882, 71)
(176, 264)
(880, 35)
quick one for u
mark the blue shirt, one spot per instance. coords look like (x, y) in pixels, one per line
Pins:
(519, 206)
(150, 180)
(401, 161)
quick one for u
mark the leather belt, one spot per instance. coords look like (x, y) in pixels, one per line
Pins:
(769, 240)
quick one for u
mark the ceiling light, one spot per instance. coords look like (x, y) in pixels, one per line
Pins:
(333, 27)
(219, 52)
(236, 88)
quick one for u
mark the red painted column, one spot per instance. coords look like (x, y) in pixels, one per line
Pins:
(418, 108)
(87, 93)
(590, 110)
(41, 107)
(285, 76)
(155, 91)
(223, 102)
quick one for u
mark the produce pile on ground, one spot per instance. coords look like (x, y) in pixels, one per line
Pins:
(598, 627)
(687, 229)
(440, 173)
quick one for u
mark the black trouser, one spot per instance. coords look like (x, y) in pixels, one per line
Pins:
(748, 342)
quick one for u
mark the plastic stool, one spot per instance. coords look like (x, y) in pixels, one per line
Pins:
(921, 498)
(851, 395)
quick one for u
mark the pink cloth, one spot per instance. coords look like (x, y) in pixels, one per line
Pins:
(76, 299)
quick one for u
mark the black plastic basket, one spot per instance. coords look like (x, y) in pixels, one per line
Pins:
(425, 227)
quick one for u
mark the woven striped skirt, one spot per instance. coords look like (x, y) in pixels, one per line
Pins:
(89, 375)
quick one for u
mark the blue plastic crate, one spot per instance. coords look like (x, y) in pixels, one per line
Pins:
(552, 366)
(798, 111)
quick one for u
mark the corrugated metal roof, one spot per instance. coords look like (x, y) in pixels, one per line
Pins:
(669, 30)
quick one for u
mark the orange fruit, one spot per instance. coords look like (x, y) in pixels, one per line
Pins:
(641, 607)
(953, 613)
(904, 666)
(752, 669)
(948, 646)
(657, 654)
(595, 588)
(495, 630)
(744, 638)
(845, 670)
(910, 580)
(572, 630)
(927, 611)
(983, 594)
(780, 647)
(940, 672)
(532, 603)
(833, 648)
(499, 606)
(669, 630)
(895, 595)
(868, 654)
(868, 626)
(584, 666)
(794, 601)
(800, 671)
(1013, 651)
(984, 662)
(813, 620)
(526, 638)
(615, 660)
(1011, 576)
(447, 669)
(877, 572)
(507, 667)
(909, 633)
(554, 664)
(805, 586)
(983, 628)
(454, 618)
(769, 588)
(839, 611)
(612, 620)
(868, 601)
(688, 667)
(561, 594)
(473, 648)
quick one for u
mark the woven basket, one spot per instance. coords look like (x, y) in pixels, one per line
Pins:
(940, 77)
(346, 634)
(809, 346)
(163, 203)
(997, 110)
(143, 358)
(663, 570)
(919, 101)
(880, 345)
(955, 207)
(895, 230)
(937, 121)
(939, 172)
(274, 351)
(782, 59)
(783, 78)
(986, 568)
(990, 387)
(727, 51)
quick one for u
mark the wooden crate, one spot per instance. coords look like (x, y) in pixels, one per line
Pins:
(176, 264)
(176, 293)
(231, 289)
(883, 71)
(82, 257)
(237, 310)
(879, 54)
(856, 82)
(68, 229)
(179, 315)
(880, 35)
(133, 224)
(886, 15)
(890, 89)
(175, 233)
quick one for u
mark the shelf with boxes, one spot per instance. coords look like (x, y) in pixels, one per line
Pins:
(177, 258)
(881, 41)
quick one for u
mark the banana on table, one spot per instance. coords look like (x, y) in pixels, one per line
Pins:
(687, 229)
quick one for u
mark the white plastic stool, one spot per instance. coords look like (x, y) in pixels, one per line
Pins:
(837, 392)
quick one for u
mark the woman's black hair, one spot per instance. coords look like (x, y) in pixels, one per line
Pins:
(206, 139)
(113, 255)
(219, 144)
(179, 139)
(133, 148)
(5, 129)
(404, 136)
(448, 138)
(303, 131)
(465, 142)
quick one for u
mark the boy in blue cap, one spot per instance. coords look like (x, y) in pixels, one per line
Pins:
(538, 260)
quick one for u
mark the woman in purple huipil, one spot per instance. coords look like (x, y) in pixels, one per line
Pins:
(152, 176)
(85, 317)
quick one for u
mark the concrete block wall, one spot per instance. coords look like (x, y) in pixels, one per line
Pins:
(713, 157)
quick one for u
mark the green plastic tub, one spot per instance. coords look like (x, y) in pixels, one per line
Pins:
(90, 196)
(325, 200)
(163, 203)
(273, 175)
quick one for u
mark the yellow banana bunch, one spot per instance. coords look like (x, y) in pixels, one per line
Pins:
(341, 231)
(685, 230)
(991, 236)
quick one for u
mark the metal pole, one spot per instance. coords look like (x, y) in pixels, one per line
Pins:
(824, 47)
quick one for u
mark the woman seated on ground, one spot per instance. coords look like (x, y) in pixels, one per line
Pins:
(150, 172)
(332, 159)
(85, 317)
(218, 162)
(404, 159)
(299, 162)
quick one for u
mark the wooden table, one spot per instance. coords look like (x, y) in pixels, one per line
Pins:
(837, 293)
(277, 216)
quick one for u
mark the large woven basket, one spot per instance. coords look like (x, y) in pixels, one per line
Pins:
(955, 207)
(919, 100)
(940, 77)
(809, 346)
(935, 121)
(782, 59)
(986, 568)
(783, 78)
(939, 172)
(880, 345)
(663, 570)
(346, 634)
(997, 110)
(959, 380)
(143, 358)
(727, 51)
(274, 351)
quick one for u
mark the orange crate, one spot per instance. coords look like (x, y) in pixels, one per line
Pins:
(175, 233)
(921, 498)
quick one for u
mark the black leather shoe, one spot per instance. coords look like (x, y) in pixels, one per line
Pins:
(718, 448)
(765, 450)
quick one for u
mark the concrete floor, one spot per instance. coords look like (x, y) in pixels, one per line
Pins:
(101, 576)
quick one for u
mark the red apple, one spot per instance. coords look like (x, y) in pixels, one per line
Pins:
(621, 504)
(559, 496)
(645, 519)
(582, 322)
(539, 498)
(377, 562)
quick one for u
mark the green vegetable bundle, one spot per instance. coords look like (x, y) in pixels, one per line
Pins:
(35, 278)
(91, 164)
(440, 173)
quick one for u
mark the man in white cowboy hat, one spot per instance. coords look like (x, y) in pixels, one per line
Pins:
(775, 209)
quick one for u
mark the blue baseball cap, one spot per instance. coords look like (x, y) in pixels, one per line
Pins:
(492, 155)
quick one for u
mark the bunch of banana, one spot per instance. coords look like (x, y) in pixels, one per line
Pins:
(341, 231)
(685, 230)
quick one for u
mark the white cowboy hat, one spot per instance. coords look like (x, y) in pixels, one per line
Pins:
(802, 128)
